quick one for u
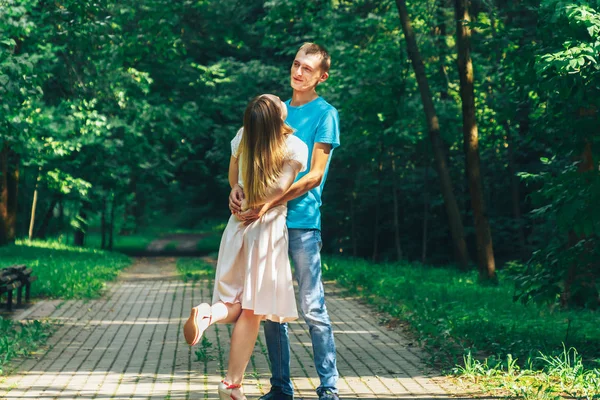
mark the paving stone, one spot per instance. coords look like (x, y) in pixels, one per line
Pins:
(129, 345)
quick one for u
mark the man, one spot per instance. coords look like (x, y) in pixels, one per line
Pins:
(317, 124)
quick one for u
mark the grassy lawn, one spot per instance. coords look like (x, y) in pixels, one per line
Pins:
(455, 317)
(208, 231)
(124, 244)
(195, 269)
(63, 271)
(209, 244)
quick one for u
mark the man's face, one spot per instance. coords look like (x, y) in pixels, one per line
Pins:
(306, 72)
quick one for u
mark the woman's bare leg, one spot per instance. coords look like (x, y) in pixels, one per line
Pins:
(225, 313)
(204, 315)
(243, 340)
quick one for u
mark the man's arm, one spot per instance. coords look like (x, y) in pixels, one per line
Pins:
(285, 181)
(313, 178)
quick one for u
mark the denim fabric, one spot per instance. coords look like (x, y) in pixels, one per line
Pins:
(304, 249)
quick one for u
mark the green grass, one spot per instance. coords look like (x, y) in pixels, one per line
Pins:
(64, 271)
(125, 243)
(171, 246)
(209, 244)
(20, 340)
(560, 376)
(455, 315)
(210, 232)
(195, 269)
(211, 240)
(204, 352)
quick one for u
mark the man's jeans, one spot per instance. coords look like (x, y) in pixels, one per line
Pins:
(305, 248)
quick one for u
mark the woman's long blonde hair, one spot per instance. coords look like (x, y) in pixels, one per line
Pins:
(262, 150)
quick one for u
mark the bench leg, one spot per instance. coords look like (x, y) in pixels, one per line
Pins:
(9, 300)
(19, 296)
(27, 292)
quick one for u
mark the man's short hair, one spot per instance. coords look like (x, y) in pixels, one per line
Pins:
(313, 48)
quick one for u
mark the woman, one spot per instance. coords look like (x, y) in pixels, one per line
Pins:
(253, 280)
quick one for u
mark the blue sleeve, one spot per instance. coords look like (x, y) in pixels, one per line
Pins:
(328, 130)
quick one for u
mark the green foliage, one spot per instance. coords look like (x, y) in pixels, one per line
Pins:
(121, 117)
(210, 243)
(18, 339)
(566, 267)
(452, 315)
(204, 351)
(572, 222)
(63, 271)
(561, 376)
(123, 243)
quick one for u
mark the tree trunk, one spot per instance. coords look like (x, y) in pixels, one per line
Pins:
(425, 213)
(139, 206)
(375, 256)
(485, 251)
(103, 223)
(353, 222)
(111, 223)
(79, 237)
(575, 269)
(9, 184)
(396, 211)
(130, 214)
(43, 228)
(61, 212)
(34, 205)
(515, 191)
(4, 195)
(439, 151)
(441, 33)
(13, 194)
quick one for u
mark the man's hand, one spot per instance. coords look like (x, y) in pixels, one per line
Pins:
(253, 214)
(235, 199)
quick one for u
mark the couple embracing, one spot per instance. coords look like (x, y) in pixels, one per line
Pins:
(279, 163)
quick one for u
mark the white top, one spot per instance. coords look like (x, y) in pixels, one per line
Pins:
(297, 151)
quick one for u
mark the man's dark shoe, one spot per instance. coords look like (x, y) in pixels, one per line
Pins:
(276, 394)
(328, 395)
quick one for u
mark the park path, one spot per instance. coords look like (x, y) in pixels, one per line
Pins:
(182, 243)
(129, 345)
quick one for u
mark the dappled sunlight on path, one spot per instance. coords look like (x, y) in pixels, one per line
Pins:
(129, 345)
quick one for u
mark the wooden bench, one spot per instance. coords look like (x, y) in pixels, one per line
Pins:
(16, 277)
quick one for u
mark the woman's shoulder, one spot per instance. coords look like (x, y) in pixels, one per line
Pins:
(297, 151)
(235, 142)
(295, 141)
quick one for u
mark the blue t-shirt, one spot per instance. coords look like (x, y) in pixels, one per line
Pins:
(314, 122)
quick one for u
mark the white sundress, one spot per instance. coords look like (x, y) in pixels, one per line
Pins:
(253, 267)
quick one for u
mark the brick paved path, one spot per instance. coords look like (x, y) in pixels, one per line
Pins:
(129, 345)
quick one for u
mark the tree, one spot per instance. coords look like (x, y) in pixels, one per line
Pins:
(485, 251)
(454, 220)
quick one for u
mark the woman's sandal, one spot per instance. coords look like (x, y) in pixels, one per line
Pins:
(225, 390)
(191, 330)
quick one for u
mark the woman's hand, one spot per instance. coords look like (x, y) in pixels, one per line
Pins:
(253, 214)
(235, 199)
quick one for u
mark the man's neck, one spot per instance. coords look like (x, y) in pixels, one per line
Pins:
(301, 98)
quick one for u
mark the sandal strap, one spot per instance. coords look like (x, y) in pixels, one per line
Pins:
(231, 386)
